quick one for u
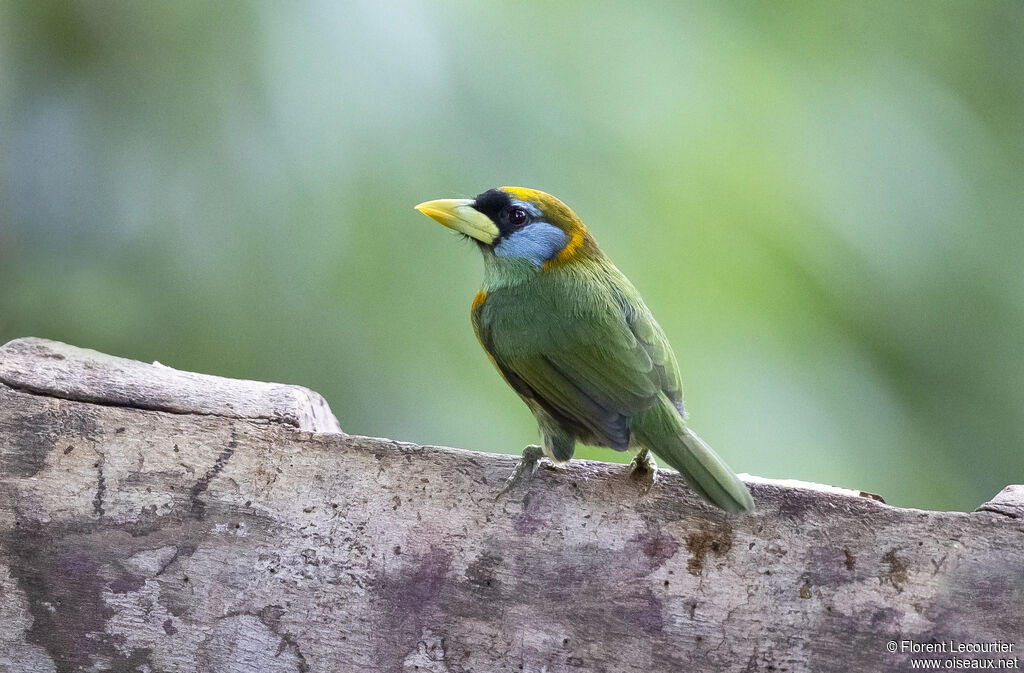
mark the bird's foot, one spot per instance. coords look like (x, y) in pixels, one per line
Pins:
(526, 468)
(644, 469)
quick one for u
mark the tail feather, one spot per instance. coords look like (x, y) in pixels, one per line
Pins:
(662, 430)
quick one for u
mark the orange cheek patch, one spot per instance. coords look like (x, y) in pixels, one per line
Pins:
(568, 253)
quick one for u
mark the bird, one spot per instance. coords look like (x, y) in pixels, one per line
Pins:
(573, 338)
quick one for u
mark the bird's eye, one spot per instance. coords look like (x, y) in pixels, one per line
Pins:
(517, 217)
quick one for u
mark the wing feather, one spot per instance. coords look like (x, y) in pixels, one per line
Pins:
(653, 340)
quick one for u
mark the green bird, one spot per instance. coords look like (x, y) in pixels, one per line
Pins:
(572, 336)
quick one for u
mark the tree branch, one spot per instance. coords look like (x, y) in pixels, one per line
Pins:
(176, 521)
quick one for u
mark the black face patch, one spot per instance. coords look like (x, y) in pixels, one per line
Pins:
(497, 205)
(492, 202)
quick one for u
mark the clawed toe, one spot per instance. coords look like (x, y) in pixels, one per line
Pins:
(525, 468)
(644, 469)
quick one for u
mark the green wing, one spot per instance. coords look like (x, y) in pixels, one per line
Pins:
(582, 363)
(652, 339)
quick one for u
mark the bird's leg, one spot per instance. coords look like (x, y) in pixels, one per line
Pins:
(643, 467)
(527, 466)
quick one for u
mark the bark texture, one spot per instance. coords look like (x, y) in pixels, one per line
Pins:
(157, 520)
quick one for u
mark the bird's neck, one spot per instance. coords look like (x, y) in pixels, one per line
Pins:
(505, 272)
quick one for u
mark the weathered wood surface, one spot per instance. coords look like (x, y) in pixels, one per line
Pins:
(59, 370)
(152, 521)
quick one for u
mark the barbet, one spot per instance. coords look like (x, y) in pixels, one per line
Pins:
(574, 339)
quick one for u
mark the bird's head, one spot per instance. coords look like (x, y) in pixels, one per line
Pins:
(517, 226)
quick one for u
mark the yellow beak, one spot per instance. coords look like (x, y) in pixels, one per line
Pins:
(460, 215)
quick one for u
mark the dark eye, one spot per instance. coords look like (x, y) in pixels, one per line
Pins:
(517, 217)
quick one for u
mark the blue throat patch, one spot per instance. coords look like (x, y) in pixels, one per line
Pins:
(536, 243)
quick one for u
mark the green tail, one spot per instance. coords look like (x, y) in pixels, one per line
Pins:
(662, 430)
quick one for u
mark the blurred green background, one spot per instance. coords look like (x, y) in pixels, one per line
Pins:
(821, 202)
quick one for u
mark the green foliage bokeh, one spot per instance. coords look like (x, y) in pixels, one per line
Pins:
(821, 202)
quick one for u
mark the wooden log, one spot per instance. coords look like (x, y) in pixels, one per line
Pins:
(155, 520)
(58, 370)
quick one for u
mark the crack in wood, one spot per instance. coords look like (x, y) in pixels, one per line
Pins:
(138, 405)
(200, 487)
(101, 486)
